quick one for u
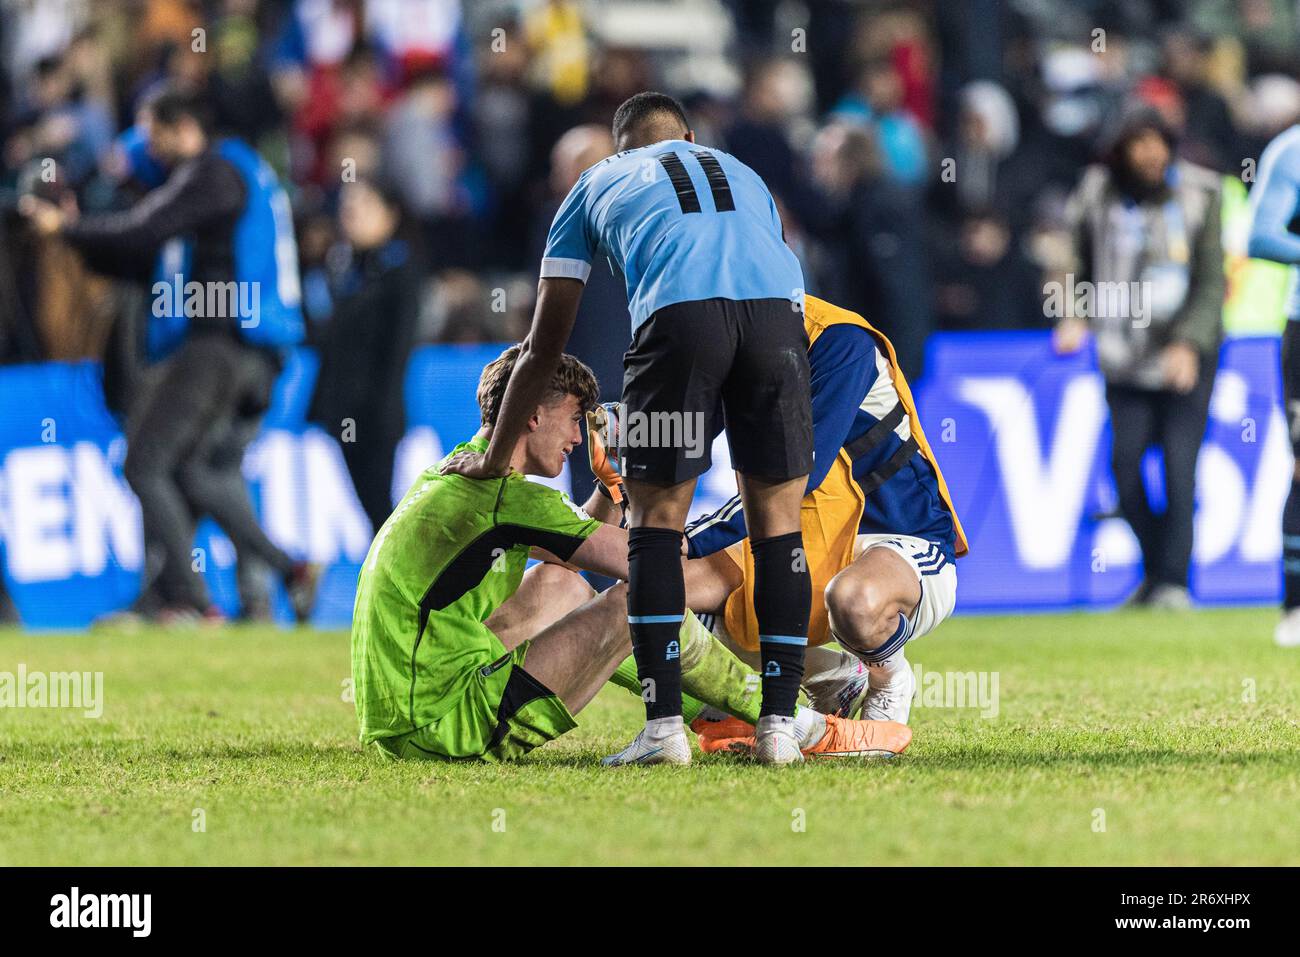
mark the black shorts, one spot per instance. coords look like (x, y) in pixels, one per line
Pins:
(695, 365)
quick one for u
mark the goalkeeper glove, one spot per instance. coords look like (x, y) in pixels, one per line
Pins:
(603, 450)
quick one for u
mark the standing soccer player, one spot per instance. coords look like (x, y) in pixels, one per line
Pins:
(716, 299)
(1274, 202)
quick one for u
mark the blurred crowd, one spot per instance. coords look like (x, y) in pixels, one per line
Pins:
(922, 152)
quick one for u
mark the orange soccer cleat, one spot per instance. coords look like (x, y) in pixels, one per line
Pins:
(843, 738)
(847, 738)
(728, 734)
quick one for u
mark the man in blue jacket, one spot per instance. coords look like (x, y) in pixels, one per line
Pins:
(223, 316)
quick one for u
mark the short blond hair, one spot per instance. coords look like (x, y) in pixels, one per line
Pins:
(572, 377)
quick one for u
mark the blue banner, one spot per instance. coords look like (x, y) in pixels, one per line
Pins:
(1024, 440)
(1022, 436)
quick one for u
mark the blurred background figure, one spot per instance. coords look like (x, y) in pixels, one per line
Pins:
(1146, 241)
(602, 329)
(980, 119)
(220, 207)
(873, 232)
(373, 284)
(921, 155)
(423, 155)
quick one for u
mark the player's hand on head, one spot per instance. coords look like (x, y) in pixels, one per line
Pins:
(471, 465)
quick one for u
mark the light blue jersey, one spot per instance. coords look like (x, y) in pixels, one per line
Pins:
(683, 222)
(1274, 203)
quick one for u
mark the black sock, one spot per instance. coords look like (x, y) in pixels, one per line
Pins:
(656, 602)
(782, 596)
(1291, 548)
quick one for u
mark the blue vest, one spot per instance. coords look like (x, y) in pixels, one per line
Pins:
(265, 253)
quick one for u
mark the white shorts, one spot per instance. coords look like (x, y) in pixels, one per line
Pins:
(937, 575)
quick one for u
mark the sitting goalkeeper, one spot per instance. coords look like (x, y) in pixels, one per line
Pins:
(457, 653)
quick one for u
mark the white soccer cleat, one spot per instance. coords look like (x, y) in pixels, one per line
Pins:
(774, 741)
(1287, 634)
(889, 693)
(673, 748)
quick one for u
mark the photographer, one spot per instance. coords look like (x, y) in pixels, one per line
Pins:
(1148, 224)
(227, 207)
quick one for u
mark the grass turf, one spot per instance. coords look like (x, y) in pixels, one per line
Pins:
(1177, 733)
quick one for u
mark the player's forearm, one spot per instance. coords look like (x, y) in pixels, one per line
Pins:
(602, 507)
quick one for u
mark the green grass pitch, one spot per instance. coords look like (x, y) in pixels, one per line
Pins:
(1126, 738)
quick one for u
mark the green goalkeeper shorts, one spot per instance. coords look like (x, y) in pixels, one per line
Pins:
(504, 714)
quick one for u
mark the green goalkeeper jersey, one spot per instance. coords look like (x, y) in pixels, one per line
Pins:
(451, 553)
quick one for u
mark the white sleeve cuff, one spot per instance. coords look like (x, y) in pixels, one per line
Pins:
(565, 269)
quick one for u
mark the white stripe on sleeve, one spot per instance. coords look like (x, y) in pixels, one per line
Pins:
(565, 269)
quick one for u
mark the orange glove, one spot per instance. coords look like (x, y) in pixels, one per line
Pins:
(603, 466)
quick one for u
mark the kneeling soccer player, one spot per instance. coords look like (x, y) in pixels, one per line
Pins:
(879, 529)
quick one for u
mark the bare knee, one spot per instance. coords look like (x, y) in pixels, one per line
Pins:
(860, 612)
(565, 586)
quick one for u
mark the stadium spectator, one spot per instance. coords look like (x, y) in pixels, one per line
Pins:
(984, 172)
(504, 115)
(64, 122)
(225, 362)
(320, 82)
(986, 273)
(1146, 239)
(878, 98)
(240, 86)
(424, 159)
(422, 94)
(873, 232)
(776, 92)
(605, 300)
(374, 285)
(1208, 135)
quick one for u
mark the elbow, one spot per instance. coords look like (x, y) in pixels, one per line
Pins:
(539, 354)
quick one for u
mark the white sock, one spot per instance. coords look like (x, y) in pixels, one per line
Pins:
(659, 728)
(881, 673)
